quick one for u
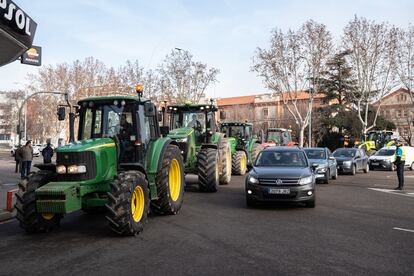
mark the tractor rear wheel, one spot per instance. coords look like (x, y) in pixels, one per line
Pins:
(30, 220)
(170, 183)
(255, 151)
(239, 163)
(208, 170)
(128, 203)
(225, 162)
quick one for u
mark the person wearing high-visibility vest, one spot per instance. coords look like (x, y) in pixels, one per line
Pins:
(400, 163)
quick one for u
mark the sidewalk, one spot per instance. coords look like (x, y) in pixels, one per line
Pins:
(8, 187)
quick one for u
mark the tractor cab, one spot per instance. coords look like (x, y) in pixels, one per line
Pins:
(278, 137)
(131, 124)
(241, 131)
(378, 139)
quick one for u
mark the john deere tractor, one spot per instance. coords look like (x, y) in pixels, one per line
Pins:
(278, 137)
(378, 139)
(120, 164)
(206, 152)
(244, 145)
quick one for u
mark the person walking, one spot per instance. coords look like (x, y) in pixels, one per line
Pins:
(47, 153)
(400, 163)
(26, 157)
(17, 159)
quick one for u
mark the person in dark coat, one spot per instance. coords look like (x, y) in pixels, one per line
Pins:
(400, 163)
(47, 153)
(17, 159)
(26, 157)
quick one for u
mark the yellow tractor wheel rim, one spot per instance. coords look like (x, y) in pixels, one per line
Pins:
(48, 216)
(137, 203)
(175, 180)
(228, 161)
(217, 170)
(243, 162)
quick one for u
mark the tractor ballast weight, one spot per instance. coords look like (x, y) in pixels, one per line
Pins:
(206, 152)
(244, 145)
(119, 164)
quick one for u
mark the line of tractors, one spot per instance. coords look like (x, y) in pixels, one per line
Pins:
(125, 164)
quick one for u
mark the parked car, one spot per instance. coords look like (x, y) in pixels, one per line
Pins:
(36, 149)
(281, 174)
(385, 157)
(327, 167)
(351, 160)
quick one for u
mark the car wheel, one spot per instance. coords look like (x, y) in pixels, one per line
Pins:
(327, 177)
(310, 204)
(366, 170)
(412, 166)
(353, 172)
(371, 168)
(250, 202)
(335, 176)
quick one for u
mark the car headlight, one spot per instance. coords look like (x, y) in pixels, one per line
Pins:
(306, 180)
(60, 169)
(321, 170)
(183, 140)
(253, 180)
(347, 163)
(75, 169)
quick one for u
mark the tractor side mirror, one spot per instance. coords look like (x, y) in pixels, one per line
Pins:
(222, 115)
(61, 113)
(164, 130)
(149, 109)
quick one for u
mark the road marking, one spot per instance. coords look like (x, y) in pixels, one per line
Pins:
(402, 229)
(394, 192)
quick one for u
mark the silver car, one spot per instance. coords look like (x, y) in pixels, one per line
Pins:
(327, 167)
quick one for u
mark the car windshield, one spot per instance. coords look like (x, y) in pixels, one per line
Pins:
(344, 153)
(281, 159)
(315, 153)
(385, 152)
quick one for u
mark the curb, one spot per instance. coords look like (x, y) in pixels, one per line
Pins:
(6, 215)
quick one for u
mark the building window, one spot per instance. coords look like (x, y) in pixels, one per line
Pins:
(265, 112)
(405, 113)
(398, 113)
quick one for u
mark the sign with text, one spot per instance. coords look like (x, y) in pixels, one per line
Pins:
(33, 56)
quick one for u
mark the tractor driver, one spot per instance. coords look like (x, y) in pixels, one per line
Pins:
(125, 132)
(194, 123)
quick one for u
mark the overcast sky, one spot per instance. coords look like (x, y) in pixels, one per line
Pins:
(224, 34)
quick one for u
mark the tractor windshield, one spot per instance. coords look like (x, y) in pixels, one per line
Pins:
(373, 136)
(196, 120)
(99, 121)
(279, 137)
(233, 131)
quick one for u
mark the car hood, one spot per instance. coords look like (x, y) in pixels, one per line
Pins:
(379, 157)
(281, 172)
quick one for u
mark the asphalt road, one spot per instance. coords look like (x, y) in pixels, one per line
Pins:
(350, 232)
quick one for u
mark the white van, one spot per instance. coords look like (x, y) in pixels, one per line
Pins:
(385, 157)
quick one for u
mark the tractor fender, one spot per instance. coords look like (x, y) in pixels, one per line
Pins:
(153, 161)
(134, 167)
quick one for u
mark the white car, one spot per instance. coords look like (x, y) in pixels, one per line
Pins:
(385, 157)
(36, 150)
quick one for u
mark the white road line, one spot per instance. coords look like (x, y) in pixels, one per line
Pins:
(402, 229)
(393, 192)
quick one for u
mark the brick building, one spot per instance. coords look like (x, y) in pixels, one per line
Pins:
(398, 107)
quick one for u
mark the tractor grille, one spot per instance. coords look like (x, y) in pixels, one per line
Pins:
(77, 158)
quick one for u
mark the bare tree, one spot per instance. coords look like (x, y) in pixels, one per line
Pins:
(184, 79)
(372, 47)
(404, 59)
(293, 66)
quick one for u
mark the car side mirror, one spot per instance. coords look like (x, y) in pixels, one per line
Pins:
(164, 130)
(332, 158)
(314, 166)
(61, 113)
(149, 109)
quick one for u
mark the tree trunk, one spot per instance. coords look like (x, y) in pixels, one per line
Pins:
(302, 135)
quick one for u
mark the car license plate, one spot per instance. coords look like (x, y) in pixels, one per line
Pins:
(374, 164)
(279, 191)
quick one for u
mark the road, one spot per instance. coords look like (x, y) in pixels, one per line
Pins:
(353, 230)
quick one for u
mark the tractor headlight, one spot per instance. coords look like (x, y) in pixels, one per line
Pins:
(183, 140)
(306, 180)
(60, 169)
(75, 169)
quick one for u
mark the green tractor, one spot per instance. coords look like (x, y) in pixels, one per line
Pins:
(206, 152)
(119, 164)
(377, 139)
(244, 145)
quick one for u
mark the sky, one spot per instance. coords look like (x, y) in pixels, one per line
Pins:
(224, 34)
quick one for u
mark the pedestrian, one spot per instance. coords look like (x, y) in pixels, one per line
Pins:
(400, 163)
(47, 153)
(17, 157)
(26, 154)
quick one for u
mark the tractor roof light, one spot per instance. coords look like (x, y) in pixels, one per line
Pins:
(139, 89)
(208, 107)
(60, 169)
(202, 108)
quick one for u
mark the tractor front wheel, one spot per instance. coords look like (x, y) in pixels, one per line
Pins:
(30, 220)
(255, 152)
(208, 170)
(239, 163)
(170, 183)
(128, 203)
